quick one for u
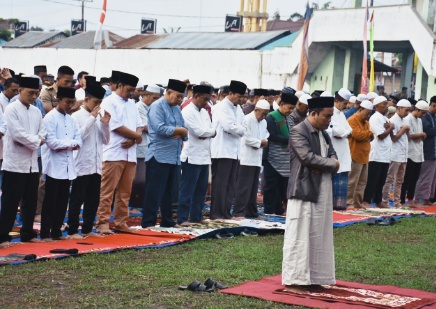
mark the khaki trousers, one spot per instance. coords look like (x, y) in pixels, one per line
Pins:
(117, 175)
(357, 179)
(395, 177)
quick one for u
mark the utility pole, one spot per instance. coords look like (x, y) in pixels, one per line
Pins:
(83, 11)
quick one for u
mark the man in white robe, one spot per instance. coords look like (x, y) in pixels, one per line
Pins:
(58, 165)
(26, 132)
(308, 253)
(93, 124)
(253, 142)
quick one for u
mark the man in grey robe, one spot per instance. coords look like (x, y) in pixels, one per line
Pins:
(308, 253)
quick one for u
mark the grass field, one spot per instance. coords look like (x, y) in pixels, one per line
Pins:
(403, 255)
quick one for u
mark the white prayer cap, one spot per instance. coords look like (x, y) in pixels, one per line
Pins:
(344, 93)
(326, 94)
(371, 95)
(361, 97)
(392, 110)
(153, 88)
(303, 99)
(299, 93)
(404, 103)
(422, 105)
(367, 104)
(140, 84)
(263, 104)
(352, 99)
(379, 100)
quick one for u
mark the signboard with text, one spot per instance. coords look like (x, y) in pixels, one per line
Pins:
(233, 23)
(78, 26)
(21, 27)
(148, 26)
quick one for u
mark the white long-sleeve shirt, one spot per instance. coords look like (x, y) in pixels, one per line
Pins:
(21, 142)
(380, 148)
(400, 148)
(123, 113)
(197, 148)
(251, 153)
(94, 133)
(57, 153)
(339, 130)
(227, 120)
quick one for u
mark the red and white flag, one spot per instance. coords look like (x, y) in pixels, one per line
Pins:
(98, 34)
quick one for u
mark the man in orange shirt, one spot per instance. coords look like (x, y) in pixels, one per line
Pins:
(360, 145)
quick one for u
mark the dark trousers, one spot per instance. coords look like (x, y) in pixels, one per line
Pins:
(54, 207)
(410, 179)
(159, 186)
(377, 172)
(247, 185)
(18, 187)
(84, 190)
(274, 191)
(192, 193)
(137, 195)
(224, 172)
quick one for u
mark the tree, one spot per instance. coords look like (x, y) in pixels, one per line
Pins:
(295, 16)
(36, 28)
(276, 15)
(5, 34)
(67, 32)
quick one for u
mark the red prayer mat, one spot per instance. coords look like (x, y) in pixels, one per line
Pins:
(343, 295)
(96, 244)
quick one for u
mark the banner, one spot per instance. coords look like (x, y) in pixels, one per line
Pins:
(364, 82)
(303, 66)
(78, 26)
(233, 23)
(371, 51)
(148, 26)
(98, 34)
(21, 27)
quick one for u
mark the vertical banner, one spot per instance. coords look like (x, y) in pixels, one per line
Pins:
(148, 26)
(233, 23)
(21, 27)
(78, 26)
(303, 66)
(98, 33)
(364, 82)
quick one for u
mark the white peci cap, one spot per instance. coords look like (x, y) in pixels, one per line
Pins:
(263, 104)
(303, 99)
(371, 95)
(367, 104)
(344, 93)
(326, 94)
(422, 105)
(404, 103)
(379, 100)
(153, 88)
(352, 99)
(361, 97)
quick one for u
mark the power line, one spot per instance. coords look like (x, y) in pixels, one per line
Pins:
(137, 13)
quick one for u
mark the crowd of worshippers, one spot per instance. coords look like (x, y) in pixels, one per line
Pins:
(69, 144)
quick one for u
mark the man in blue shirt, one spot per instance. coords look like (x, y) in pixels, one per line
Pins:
(166, 132)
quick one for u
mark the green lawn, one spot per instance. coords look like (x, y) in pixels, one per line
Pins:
(403, 255)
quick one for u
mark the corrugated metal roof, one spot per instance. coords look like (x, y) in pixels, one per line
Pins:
(139, 41)
(35, 38)
(290, 25)
(85, 40)
(217, 40)
(285, 41)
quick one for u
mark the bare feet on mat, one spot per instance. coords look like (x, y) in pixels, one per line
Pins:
(75, 236)
(204, 222)
(295, 288)
(185, 224)
(382, 205)
(60, 238)
(105, 232)
(37, 218)
(91, 234)
(238, 218)
(47, 239)
(5, 244)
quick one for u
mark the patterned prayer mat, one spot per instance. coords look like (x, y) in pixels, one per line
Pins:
(342, 295)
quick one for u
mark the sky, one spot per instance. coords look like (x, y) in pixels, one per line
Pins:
(124, 16)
